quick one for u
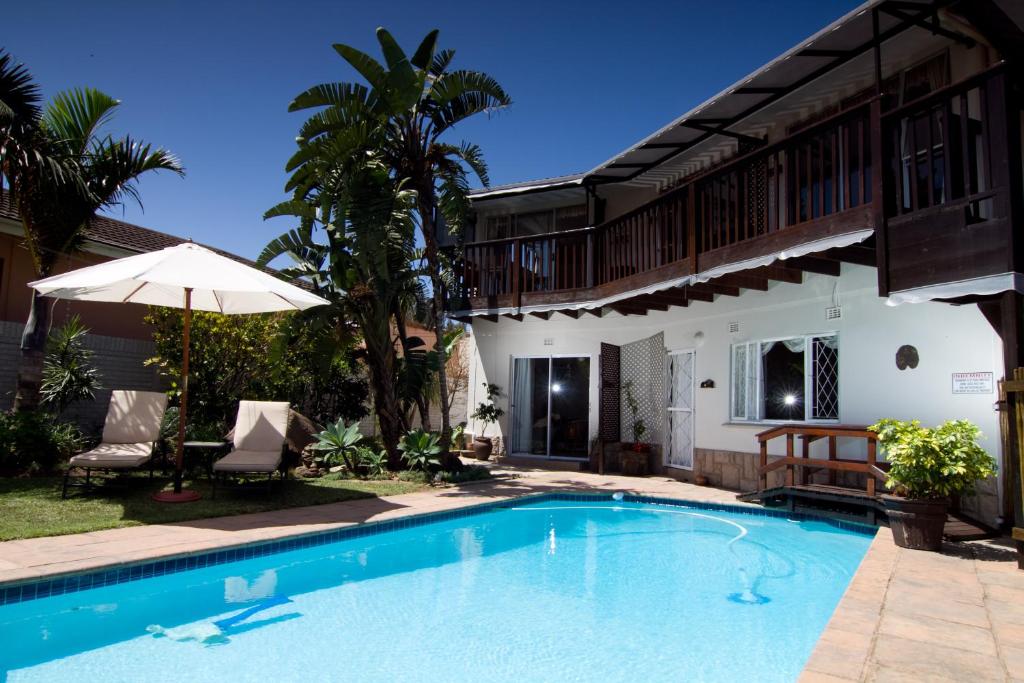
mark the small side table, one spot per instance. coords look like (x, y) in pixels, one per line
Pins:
(209, 451)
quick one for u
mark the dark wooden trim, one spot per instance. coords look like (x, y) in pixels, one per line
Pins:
(780, 273)
(743, 280)
(543, 315)
(851, 220)
(814, 264)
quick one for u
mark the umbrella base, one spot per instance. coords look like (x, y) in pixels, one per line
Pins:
(186, 496)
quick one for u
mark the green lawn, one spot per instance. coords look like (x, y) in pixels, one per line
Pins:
(33, 507)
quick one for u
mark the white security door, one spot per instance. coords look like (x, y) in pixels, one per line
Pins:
(680, 423)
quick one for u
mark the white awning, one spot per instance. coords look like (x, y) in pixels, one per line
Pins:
(979, 286)
(804, 249)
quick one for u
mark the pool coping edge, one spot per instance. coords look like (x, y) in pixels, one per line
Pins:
(112, 573)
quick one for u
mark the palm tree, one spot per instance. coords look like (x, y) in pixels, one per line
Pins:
(416, 100)
(354, 244)
(100, 171)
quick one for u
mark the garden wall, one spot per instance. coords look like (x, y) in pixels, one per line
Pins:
(120, 362)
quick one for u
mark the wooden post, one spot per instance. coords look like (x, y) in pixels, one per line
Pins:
(872, 453)
(805, 471)
(517, 288)
(691, 227)
(832, 456)
(763, 461)
(789, 454)
(878, 194)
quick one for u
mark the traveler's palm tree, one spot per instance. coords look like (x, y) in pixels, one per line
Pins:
(62, 168)
(416, 101)
(354, 243)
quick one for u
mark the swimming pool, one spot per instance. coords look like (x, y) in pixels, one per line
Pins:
(556, 588)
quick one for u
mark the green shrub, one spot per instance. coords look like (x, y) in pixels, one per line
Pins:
(415, 476)
(375, 463)
(469, 473)
(336, 445)
(933, 462)
(420, 450)
(33, 442)
(68, 371)
(258, 357)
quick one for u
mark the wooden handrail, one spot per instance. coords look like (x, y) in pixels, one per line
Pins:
(809, 433)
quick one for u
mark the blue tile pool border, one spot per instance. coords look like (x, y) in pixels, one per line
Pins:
(34, 589)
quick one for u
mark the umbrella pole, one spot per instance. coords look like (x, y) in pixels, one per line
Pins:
(179, 496)
(179, 458)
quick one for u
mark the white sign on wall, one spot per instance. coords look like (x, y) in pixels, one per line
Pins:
(972, 383)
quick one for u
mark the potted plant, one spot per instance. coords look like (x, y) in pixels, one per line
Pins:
(487, 413)
(635, 456)
(927, 465)
(639, 427)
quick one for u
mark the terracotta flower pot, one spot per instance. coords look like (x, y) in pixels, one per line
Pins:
(482, 447)
(916, 524)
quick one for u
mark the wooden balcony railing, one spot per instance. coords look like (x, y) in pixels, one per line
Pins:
(937, 152)
(948, 183)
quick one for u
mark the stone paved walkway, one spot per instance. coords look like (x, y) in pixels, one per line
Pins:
(906, 616)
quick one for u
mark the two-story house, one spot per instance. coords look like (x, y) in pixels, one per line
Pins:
(834, 239)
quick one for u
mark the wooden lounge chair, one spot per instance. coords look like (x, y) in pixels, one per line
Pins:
(130, 432)
(259, 441)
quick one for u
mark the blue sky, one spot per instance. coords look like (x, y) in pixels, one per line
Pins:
(212, 80)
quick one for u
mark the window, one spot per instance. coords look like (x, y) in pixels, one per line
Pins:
(529, 224)
(787, 380)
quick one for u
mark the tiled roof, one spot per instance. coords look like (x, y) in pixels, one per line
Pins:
(120, 235)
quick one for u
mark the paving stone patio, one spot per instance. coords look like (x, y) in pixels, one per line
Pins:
(906, 616)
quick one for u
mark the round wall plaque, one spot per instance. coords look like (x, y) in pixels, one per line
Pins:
(906, 357)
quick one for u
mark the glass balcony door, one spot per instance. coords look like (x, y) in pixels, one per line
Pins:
(550, 407)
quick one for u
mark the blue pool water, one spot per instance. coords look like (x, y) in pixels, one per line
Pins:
(552, 590)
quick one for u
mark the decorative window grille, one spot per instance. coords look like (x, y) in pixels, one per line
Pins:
(788, 380)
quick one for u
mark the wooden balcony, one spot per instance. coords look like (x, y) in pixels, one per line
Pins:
(849, 172)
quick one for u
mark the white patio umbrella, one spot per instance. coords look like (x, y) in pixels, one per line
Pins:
(184, 276)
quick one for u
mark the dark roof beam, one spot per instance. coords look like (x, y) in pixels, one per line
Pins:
(757, 90)
(780, 273)
(743, 280)
(814, 264)
(917, 19)
(720, 130)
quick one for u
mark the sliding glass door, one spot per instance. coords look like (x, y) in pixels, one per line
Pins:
(551, 406)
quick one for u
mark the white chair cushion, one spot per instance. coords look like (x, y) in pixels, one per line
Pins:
(249, 461)
(115, 456)
(261, 425)
(134, 416)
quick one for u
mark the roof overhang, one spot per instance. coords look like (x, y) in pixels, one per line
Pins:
(729, 116)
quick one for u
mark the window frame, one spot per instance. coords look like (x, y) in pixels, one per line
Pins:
(753, 356)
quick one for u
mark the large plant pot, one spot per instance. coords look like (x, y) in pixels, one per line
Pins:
(916, 524)
(635, 461)
(482, 447)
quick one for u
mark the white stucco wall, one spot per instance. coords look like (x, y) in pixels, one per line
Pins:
(948, 338)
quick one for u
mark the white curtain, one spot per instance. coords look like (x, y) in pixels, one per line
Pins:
(522, 410)
(795, 345)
